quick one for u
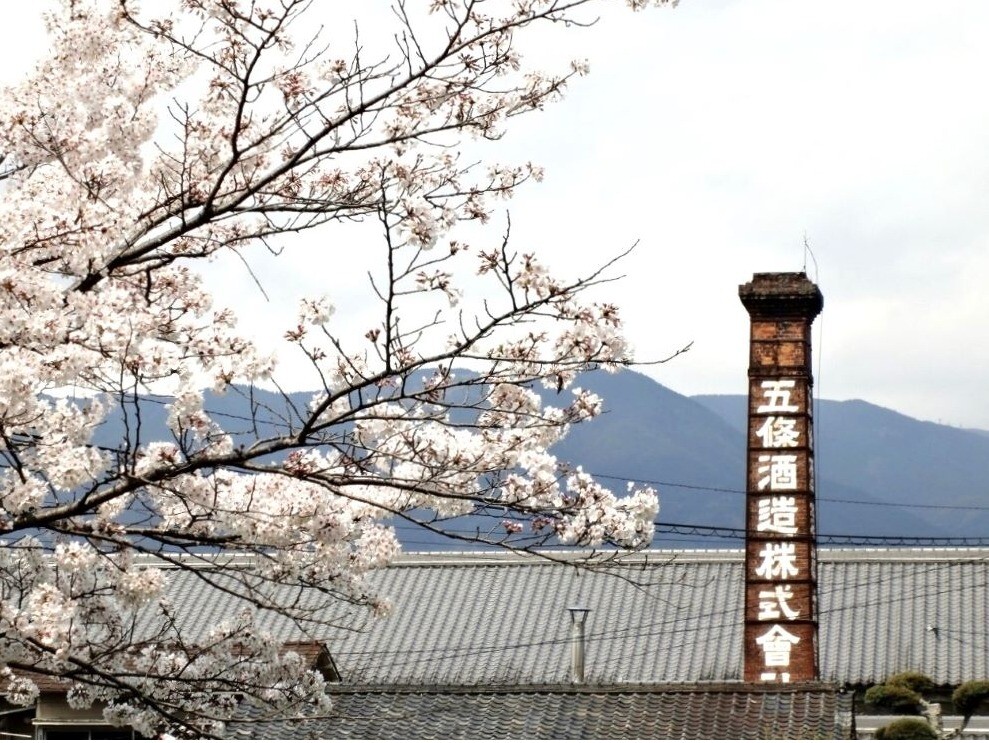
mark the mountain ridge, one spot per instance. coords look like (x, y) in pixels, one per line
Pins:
(880, 472)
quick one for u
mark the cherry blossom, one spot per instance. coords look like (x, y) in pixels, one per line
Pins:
(156, 137)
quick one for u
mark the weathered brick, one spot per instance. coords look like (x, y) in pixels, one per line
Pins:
(781, 557)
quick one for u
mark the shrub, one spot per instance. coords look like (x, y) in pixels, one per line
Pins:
(893, 698)
(912, 680)
(969, 696)
(906, 728)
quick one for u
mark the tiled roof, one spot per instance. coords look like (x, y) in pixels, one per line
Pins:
(692, 711)
(315, 655)
(44, 682)
(656, 617)
(666, 618)
(909, 609)
(505, 621)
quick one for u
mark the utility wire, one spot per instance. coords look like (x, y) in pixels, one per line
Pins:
(736, 491)
(739, 534)
(689, 622)
(860, 540)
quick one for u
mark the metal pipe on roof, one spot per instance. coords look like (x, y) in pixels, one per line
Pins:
(578, 616)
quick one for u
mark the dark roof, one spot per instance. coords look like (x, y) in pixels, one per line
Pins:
(656, 617)
(46, 683)
(315, 655)
(693, 711)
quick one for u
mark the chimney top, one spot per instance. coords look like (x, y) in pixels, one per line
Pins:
(781, 295)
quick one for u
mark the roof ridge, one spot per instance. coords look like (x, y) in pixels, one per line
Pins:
(599, 558)
(658, 557)
(646, 687)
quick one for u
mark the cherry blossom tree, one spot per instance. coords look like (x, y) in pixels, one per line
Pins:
(153, 139)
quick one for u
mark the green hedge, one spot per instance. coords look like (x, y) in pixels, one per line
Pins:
(906, 728)
(969, 696)
(893, 698)
(912, 680)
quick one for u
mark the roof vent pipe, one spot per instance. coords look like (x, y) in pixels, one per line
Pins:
(578, 617)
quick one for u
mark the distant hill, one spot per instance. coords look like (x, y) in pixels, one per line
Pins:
(651, 434)
(869, 460)
(887, 457)
(695, 449)
(879, 472)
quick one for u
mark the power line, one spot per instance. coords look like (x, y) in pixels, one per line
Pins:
(714, 531)
(860, 540)
(690, 622)
(736, 491)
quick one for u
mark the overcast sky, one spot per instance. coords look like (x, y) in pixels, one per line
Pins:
(722, 133)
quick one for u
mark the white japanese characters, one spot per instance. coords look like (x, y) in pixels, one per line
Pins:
(777, 394)
(773, 603)
(777, 514)
(776, 645)
(778, 432)
(778, 517)
(779, 560)
(778, 471)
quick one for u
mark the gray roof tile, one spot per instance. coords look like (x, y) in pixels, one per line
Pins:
(697, 711)
(657, 617)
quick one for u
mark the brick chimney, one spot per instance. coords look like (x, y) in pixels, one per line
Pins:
(780, 545)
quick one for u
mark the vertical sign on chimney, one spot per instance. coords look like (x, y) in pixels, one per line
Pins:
(780, 549)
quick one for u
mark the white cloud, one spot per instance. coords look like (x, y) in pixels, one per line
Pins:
(719, 135)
